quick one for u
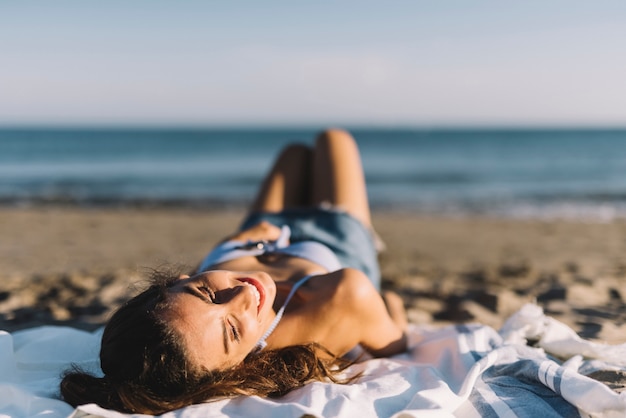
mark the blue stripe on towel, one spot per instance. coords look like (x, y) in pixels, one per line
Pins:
(518, 384)
(557, 380)
(481, 405)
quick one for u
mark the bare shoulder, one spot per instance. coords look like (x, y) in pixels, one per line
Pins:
(364, 316)
(348, 286)
(355, 288)
(340, 310)
(343, 295)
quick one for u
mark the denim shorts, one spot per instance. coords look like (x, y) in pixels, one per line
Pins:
(350, 240)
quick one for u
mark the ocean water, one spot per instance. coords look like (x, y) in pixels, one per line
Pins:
(510, 173)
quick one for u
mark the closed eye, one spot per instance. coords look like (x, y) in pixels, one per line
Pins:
(235, 332)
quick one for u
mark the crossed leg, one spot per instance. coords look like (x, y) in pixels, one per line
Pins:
(338, 176)
(330, 173)
(288, 183)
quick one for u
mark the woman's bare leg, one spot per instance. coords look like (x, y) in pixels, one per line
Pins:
(288, 182)
(338, 176)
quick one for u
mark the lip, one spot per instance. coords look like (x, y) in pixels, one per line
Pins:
(259, 287)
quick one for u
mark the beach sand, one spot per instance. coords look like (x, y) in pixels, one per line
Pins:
(73, 266)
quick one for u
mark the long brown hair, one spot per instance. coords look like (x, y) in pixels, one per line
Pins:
(146, 367)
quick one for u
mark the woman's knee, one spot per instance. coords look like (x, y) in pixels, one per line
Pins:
(333, 137)
(295, 151)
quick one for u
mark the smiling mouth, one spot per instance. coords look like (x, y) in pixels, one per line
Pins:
(257, 290)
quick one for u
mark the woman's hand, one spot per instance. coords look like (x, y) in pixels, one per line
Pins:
(259, 232)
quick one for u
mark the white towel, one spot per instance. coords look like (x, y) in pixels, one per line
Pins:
(456, 371)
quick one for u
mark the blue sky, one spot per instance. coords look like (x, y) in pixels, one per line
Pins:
(391, 63)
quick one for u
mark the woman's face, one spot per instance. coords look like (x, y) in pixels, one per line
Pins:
(221, 314)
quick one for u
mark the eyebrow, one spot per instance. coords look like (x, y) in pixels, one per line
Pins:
(194, 292)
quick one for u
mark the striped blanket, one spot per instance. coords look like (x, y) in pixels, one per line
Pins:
(457, 371)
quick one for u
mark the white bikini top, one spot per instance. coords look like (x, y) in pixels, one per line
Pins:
(310, 250)
(262, 343)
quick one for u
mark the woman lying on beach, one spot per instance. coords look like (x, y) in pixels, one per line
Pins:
(272, 307)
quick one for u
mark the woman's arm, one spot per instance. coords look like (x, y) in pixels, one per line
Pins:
(383, 335)
(368, 319)
(261, 231)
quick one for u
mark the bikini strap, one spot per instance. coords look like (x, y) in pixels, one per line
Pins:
(262, 342)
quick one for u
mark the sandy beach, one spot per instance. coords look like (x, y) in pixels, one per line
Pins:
(73, 266)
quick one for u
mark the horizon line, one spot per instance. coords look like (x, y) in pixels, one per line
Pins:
(308, 127)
